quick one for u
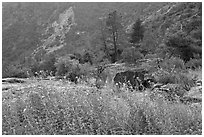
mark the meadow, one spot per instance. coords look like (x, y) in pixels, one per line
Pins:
(49, 107)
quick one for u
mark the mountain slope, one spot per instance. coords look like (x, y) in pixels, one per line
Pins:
(24, 23)
(28, 27)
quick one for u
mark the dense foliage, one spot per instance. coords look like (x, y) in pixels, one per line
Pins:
(138, 32)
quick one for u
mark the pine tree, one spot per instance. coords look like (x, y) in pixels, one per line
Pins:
(138, 32)
(114, 26)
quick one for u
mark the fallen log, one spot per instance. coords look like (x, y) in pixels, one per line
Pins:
(13, 80)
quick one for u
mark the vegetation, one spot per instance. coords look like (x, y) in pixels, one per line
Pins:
(103, 40)
(183, 47)
(194, 63)
(55, 108)
(138, 32)
(131, 55)
(71, 52)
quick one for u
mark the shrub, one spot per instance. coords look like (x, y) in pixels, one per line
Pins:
(48, 64)
(131, 55)
(16, 71)
(87, 57)
(85, 69)
(61, 69)
(173, 64)
(65, 65)
(150, 56)
(35, 67)
(184, 46)
(186, 81)
(72, 69)
(194, 63)
(180, 46)
(167, 78)
(182, 79)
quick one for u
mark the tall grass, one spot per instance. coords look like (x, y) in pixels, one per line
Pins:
(57, 108)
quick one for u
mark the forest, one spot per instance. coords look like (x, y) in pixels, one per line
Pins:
(96, 68)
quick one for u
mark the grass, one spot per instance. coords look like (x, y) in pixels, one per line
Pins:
(61, 108)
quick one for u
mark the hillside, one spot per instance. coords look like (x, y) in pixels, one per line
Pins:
(24, 23)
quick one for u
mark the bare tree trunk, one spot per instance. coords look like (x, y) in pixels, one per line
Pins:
(115, 47)
(104, 41)
(105, 46)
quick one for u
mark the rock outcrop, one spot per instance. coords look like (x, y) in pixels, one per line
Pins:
(55, 33)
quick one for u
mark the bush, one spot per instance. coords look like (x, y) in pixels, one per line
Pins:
(16, 71)
(85, 69)
(150, 56)
(48, 64)
(182, 79)
(185, 81)
(167, 78)
(184, 46)
(131, 55)
(72, 69)
(35, 67)
(194, 63)
(66, 65)
(61, 69)
(180, 46)
(173, 64)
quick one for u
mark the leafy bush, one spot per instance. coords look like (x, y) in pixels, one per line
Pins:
(194, 63)
(61, 69)
(131, 55)
(185, 81)
(16, 71)
(182, 79)
(66, 65)
(85, 69)
(166, 78)
(48, 64)
(87, 57)
(183, 46)
(72, 69)
(173, 71)
(173, 64)
(149, 56)
(35, 67)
